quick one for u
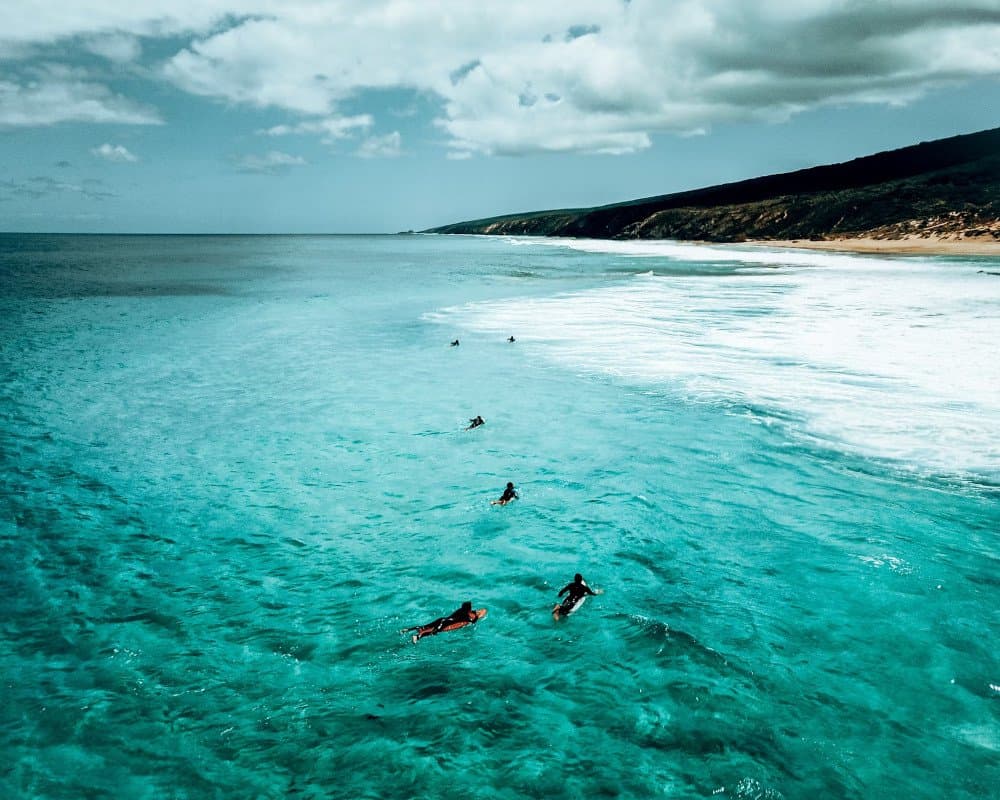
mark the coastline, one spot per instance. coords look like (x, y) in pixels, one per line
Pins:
(907, 246)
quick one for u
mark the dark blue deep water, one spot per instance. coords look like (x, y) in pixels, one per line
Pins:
(232, 468)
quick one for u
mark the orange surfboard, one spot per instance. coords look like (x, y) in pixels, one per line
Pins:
(428, 630)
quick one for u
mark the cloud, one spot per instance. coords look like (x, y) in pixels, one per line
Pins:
(44, 186)
(52, 94)
(332, 129)
(271, 163)
(388, 146)
(618, 72)
(28, 21)
(115, 153)
(117, 47)
(518, 77)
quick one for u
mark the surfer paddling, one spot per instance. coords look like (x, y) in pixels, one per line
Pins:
(578, 591)
(508, 495)
(475, 422)
(459, 618)
(455, 343)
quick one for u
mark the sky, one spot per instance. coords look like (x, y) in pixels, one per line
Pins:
(377, 116)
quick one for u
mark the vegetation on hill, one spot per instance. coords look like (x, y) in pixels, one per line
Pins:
(949, 188)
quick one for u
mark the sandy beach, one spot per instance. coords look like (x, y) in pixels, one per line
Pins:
(907, 246)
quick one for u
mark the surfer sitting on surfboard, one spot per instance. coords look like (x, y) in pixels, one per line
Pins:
(465, 615)
(578, 591)
(508, 495)
(475, 422)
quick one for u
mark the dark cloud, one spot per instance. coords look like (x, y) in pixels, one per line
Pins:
(457, 75)
(577, 31)
(618, 71)
(859, 41)
(46, 186)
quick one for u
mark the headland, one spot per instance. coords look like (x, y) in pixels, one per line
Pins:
(932, 198)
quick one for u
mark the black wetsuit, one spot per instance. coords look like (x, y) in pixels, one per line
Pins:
(436, 626)
(508, 495)
(577, 591)
(459, 615)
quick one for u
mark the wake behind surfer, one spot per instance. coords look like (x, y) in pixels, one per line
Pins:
(508, 495)
(475, 422)
(463, 614)
(577, 590)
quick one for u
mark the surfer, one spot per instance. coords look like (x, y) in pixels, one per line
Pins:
(455, 343)
(475, 422)
(508, 495)
(464, 615)
(512, 340)
(578, 591)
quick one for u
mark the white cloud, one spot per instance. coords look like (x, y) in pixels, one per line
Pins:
(388, 146)
(332, 129)
(120, 48)
(515, 77)
(116, 153)
(271, 163)
(50, 20)
(56, 94)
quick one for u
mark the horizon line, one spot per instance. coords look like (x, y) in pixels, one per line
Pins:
(181, 233)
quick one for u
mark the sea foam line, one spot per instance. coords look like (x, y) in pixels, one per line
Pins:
(667, 249)
(887, 358)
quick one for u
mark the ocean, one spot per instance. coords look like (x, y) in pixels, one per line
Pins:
(233, 468)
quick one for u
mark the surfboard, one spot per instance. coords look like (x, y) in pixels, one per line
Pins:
(428, 630)
(480, 613)
(565, 608)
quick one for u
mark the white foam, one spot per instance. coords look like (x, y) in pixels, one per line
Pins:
(890, 358)
(666, 249)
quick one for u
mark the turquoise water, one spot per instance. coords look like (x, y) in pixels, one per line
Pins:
(234, 467)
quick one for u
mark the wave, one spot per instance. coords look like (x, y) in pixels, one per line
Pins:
(887, 358)
(754, 255)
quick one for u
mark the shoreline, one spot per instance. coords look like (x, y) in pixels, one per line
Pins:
(909, 247)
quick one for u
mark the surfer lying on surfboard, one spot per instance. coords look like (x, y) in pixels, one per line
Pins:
(578, 591)
(475, 422)
(459, 618)
(508, 495)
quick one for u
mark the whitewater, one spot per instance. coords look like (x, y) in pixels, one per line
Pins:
(886, 357)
